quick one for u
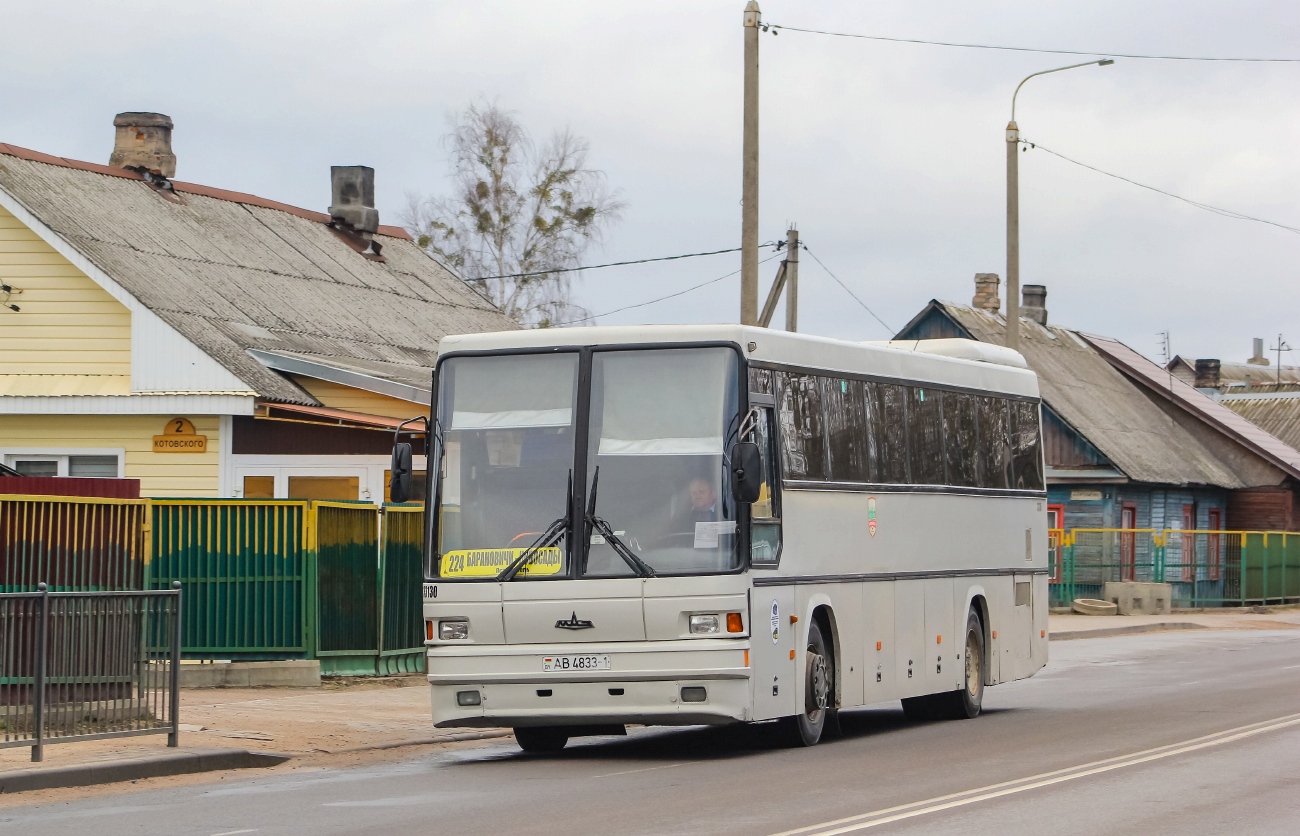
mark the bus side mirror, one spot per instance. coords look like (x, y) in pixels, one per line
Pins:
(746, 471)
(399, 482)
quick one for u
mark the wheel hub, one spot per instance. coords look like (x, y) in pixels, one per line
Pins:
(819, 686)
(974, 665)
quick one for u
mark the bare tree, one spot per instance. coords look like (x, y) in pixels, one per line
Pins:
(515, 210)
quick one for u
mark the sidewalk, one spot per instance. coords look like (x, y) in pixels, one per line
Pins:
(1065, 627)
(332, 724)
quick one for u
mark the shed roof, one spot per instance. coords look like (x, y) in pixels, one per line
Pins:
(1093, 398)
(1277, 415)
(233, 272)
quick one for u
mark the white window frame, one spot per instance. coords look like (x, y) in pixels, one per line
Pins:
(60, 454)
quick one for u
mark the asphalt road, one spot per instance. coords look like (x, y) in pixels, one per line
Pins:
(1182, 733)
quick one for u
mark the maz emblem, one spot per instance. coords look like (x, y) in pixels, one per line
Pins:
(574, 623)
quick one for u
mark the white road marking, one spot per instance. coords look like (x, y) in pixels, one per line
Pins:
(945, 802)
(1289, 667)
(646, 769)
(234, 832)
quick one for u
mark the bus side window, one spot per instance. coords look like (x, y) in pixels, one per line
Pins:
(765, 513)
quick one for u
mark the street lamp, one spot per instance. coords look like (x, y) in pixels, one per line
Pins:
(1013, 207)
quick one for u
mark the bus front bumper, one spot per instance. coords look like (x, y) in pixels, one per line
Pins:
(644, 684)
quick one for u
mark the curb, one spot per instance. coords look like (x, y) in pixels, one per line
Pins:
(109, 772)
(1130, 630)
(426, 741)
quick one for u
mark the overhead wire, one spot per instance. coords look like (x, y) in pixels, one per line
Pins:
(1227, 213)
(777, 26)
(669, 296)
(846, 288)
(610, 264)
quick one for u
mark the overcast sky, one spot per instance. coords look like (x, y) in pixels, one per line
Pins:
(889, 157)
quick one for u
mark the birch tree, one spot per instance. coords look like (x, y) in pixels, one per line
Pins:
(516, 209)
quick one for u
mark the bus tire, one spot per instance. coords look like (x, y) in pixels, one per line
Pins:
(967, 702)
(541, 739)
(806, 729)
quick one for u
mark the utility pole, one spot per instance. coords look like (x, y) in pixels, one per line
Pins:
(787, 279)
(1013, 206)
(792, 279)
(1013, 234)
(1279, 348)
(749, 176)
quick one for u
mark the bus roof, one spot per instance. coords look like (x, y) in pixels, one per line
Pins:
(941, 362)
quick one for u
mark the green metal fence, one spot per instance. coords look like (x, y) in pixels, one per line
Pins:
(401, 572)
(88, 544)
(1203, 568)
(245, 568)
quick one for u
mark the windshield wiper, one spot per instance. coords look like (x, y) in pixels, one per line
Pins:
(552, 535)
(620, 548)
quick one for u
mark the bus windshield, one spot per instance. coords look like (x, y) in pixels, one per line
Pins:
(508, 441)
(660, 420)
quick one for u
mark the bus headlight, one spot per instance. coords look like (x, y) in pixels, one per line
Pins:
(458, 629)
(704, 623)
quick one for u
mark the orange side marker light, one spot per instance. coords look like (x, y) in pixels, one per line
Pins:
(734, 623)
(791, 654)
(746, 658)
(877, 645)
(938, 639)
(1042, 634)
(995, 634)
(794, 619)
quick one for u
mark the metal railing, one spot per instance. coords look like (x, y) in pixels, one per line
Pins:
(88, 665)
(1203, 568)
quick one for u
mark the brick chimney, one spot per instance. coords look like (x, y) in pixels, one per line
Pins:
(1207, 374)
(986, 292)
(1033, 303)
(143, 143)
(353, 204)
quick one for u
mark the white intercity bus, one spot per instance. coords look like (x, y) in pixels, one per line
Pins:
(678, 525)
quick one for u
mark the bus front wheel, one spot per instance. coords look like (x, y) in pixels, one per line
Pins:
(819, 687)
(541, 739)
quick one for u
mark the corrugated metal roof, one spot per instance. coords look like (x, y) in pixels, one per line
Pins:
(1279, 417)
(1158, 381)
(232, 275)
(1104, 406)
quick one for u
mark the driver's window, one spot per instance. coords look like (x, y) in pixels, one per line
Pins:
(765, 512)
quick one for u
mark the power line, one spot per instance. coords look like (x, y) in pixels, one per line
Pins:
(1227, 213)
(669, 296)
(1029, 49)
(611, 264)
(846, 288)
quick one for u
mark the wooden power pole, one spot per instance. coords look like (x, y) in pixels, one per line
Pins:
(749, 176)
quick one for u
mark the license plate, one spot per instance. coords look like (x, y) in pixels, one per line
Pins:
(591, 662)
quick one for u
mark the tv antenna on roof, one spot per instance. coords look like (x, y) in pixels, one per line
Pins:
(1279, 348)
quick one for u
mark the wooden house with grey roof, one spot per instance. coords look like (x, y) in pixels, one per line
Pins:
(1127, 444)
(208, 342)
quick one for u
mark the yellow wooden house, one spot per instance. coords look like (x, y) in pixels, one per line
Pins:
(207, 342)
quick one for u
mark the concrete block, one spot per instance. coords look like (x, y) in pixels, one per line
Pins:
(289, 673)
(1136, 598)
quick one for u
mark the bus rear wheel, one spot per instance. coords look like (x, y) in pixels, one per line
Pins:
(819, 686)
(967, 702)
(541, 739)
